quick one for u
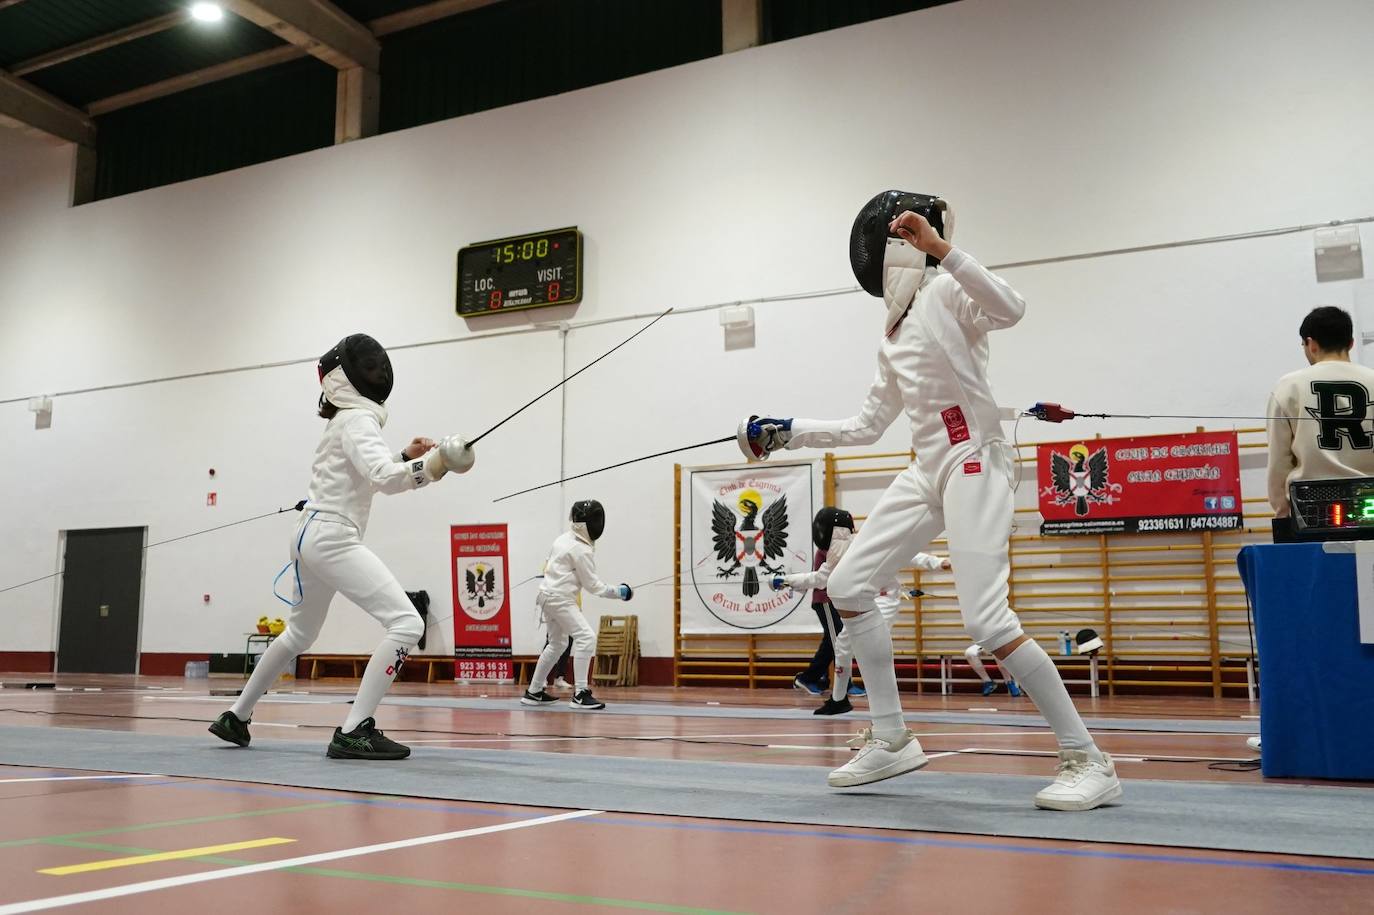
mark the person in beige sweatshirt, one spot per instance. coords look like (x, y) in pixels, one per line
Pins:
(1320, 425)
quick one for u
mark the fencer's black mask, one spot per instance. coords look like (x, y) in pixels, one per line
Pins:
(825, 522)
(365, 364)
(868, 238)
(590, 513)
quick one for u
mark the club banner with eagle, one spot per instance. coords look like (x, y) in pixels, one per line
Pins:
(481, 602)
(740, 527)
(1146, 484)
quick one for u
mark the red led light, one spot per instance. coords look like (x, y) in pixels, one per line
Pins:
(1337, 514)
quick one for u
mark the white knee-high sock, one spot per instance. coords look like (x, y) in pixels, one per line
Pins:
(271, 666)
(581, 668)
(381, 671)
(872, 642)
(1031, 667)
(547, 658)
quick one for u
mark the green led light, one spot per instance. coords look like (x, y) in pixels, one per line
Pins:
(1367, 507)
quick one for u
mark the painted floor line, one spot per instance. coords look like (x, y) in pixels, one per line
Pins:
(155, 857)
(479, 888)
(1127, 757)
(74, 778)
(172, 824)
(131, 889)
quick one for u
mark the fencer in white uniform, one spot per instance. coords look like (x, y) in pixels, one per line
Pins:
(352, 462)
(570, 569)
(932, 365)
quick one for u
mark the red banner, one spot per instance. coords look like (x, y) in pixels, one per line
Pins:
(481, 602)
(1144, 484)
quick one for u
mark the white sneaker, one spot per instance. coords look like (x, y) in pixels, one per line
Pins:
(1253, 743)
(878, 759)
(560, 683)
(1081, 783)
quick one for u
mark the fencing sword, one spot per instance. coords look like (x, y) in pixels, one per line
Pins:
(1056, 413)
(647, 457)
(564, 381)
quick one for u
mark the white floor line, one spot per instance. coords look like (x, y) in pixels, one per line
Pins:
(148, 886)
(523, 738)
(1148, 757)
(73, 778)
(942, 755)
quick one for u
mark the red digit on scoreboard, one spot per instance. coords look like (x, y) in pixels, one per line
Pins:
(555, 289)
(494, 301)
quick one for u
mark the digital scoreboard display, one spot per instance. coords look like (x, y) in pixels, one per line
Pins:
(1332, 505)
(524, 271)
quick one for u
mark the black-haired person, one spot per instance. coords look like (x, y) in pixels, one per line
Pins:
(569, 570)
(352, 463)
(1319, 419)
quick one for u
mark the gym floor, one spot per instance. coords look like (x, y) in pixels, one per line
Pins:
(133, 841)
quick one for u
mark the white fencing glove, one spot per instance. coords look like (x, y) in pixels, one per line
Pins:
(452, 455)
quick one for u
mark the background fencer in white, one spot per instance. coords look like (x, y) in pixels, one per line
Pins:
(932, 365)
(352, 462)
(570, 569)
(888, 603)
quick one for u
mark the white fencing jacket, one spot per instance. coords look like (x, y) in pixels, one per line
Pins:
(933, 366)
(571, 567)
(353, 461)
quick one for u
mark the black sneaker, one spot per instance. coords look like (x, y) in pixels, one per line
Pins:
(228, 727)
(543, 697)
(586, 701)
(832, 707)
(365, 742)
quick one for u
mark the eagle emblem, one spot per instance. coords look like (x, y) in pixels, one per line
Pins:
(746, 542)
(1080, 479)
(481, 583)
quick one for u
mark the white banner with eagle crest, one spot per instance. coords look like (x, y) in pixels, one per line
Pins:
(740, 527)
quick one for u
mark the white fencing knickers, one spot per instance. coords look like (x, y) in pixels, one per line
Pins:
(329, 558)
(565, 621)
(974, 509)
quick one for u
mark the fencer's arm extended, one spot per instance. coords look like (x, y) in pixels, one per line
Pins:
(1281, 461)
(981, 298)
(820, 578)
(362, 442)
(585, 568)
(881, 407)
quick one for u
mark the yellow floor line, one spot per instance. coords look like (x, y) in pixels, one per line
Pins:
(109, 863)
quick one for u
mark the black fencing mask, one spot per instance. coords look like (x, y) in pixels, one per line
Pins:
(868, 238)
(365, 364)
(825, 522)
(590, 513)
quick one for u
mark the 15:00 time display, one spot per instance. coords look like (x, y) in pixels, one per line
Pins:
(524, 271)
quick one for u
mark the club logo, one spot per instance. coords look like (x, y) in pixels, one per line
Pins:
(1080, 479)
(741, 536)
(480, 595)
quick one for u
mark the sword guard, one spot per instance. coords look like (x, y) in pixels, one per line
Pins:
(1050, 412)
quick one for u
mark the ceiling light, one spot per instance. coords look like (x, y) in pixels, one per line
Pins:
(207, 12)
